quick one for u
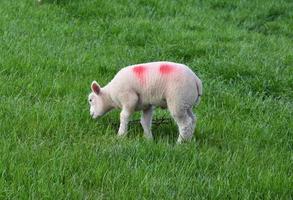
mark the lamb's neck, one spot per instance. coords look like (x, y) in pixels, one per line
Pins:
(107, 93)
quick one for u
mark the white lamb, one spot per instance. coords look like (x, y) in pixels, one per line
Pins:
(145, 86)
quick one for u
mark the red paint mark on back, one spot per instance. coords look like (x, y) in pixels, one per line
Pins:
(166, 68)
(139, 72)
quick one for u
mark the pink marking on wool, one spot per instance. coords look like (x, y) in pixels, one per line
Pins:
(166, 69)
(139, 72)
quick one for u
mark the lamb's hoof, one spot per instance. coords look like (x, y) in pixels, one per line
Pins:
(121, 135)
(182, 140)
(179, 140)
(149, 137)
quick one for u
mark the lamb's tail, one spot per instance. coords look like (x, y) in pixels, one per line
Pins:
(199, 90)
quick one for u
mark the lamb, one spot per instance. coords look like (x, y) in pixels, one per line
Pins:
(142, 87)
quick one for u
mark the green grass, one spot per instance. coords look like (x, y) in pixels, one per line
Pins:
(49, 54)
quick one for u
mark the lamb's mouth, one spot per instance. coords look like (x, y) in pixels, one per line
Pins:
(95, 116)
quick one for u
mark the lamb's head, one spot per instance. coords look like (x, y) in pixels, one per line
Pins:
(99, 103)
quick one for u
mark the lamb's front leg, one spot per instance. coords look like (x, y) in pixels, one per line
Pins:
(124, 119)
(146, 122)
(129, 103)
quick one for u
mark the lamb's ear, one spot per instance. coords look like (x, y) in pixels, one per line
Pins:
(96, 87)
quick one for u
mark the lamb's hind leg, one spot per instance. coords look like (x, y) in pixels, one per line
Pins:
(193, 118)
(146, 122)
(185, 124)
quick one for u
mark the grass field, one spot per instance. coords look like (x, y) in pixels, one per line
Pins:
(49, 54)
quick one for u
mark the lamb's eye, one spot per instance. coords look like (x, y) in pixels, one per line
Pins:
(90, 100)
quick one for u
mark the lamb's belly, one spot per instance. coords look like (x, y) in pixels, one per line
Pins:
(147, 101)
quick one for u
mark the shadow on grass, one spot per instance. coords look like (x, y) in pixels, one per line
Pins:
(168, 133)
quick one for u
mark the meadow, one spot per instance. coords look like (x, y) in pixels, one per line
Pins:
(50, 53)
